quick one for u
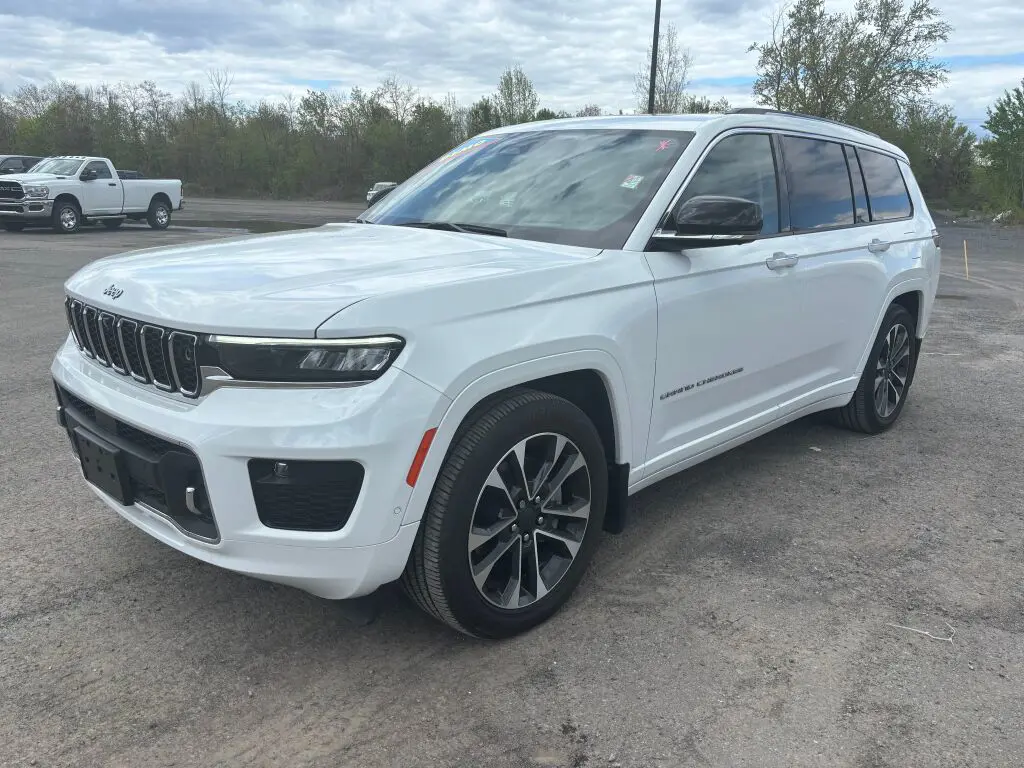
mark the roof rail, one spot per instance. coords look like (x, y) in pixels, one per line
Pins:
(767, 111)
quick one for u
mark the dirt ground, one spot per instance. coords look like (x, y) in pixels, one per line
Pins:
(750, 615)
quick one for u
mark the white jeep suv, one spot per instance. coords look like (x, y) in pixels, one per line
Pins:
(460, 389)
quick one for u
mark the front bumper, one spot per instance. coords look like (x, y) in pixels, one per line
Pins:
(379, 426)
(22, 210)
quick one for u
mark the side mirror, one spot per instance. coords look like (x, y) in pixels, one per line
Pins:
(380, 194)
(713, 220)
(89, 175)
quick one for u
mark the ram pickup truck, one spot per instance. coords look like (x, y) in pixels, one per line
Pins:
(460, 388)
(67, 192)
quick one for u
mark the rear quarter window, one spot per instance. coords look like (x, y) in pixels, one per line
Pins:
(887, 191)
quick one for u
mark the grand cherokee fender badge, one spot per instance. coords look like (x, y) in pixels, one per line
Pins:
(113, 291)
(701, 383)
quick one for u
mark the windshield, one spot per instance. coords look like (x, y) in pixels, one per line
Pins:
(59, 166)
(576, 187)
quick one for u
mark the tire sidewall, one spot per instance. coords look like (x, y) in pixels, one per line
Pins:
(897, 315)
(468, 606)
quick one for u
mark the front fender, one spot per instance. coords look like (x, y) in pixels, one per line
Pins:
(510, 376)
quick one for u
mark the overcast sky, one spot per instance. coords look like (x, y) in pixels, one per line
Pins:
(576, 51)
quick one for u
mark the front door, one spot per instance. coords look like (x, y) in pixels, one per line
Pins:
(102, 195)
(730, 327)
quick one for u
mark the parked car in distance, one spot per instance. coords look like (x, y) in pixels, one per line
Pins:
(16, 163)
(461, 389)
(380, 186)
(69, 191)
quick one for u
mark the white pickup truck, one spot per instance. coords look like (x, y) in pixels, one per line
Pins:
(67, 192)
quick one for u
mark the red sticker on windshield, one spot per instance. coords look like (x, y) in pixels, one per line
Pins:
(663, 145)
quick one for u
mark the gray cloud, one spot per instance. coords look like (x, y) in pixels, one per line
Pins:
(575, 52)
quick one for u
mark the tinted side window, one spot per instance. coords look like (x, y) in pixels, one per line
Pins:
(11, 163)
(860, 195)
(102, 172)
(886, 189)
(741, 166)
(819, 183)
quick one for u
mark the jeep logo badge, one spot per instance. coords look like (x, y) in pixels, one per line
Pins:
(113, 291)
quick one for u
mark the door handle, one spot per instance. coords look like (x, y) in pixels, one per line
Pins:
(781, 260)
(878, 246)
(112, 184)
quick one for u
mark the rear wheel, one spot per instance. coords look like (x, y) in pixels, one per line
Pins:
(514, 518)
(159, 215)
(885, 383)
(14, 226)
(67, 219)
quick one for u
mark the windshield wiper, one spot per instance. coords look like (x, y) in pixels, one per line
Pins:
(448, 226)
(361, 221)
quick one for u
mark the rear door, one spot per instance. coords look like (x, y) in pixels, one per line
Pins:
(102, 195)
(838, 281)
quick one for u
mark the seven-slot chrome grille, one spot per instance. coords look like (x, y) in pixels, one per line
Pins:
(150, 354)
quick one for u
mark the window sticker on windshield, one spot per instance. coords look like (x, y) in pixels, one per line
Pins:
(632, 182)
(663, 145)
(468, 146)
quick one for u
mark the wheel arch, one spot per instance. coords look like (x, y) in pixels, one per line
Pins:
(68, 197)
(910, 295)
(162, 197)
(591, 379)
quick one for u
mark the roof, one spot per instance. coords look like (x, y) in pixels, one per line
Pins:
(754, 117)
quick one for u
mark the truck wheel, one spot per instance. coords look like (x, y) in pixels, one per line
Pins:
(159, 216)
(113, 223)
(67, 219)
(514, 517)
(887, 376)
(14, 226)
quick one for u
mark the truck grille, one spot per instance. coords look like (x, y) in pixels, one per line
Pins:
(11, 190)
(150, 354)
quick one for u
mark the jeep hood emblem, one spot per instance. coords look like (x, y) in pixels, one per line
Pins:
(113, 291)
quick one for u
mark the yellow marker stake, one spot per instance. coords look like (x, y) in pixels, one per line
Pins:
(966, 270)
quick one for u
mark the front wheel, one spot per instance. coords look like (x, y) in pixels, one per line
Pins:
(514, 518)
(159, 215)
(67, 219)
(885, 383)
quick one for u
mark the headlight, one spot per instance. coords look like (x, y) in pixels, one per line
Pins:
(304, 360)
(34, 191)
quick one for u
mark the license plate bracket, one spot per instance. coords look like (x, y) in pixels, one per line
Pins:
(103, 465)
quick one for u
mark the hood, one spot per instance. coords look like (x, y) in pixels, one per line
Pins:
(288, 283)
(33, 178)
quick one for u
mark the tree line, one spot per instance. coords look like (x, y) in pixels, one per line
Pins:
(872, 67)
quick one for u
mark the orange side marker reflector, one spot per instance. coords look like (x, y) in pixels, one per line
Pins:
(420, 457)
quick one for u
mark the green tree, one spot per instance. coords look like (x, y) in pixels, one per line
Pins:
(672, 75)
(1005, 149)
(852, 66)
(483, 116)
(516, 99)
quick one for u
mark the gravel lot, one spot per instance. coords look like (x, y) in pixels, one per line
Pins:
(745, 618)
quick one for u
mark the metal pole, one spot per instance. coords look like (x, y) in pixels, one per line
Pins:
(654, 56)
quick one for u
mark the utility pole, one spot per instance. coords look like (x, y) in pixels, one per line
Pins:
(654, 56)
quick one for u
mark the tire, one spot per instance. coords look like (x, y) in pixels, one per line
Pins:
(112, 223)
(14, 226)
(67, 219)
(439, 575)
(159, 214)
(895, 342)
